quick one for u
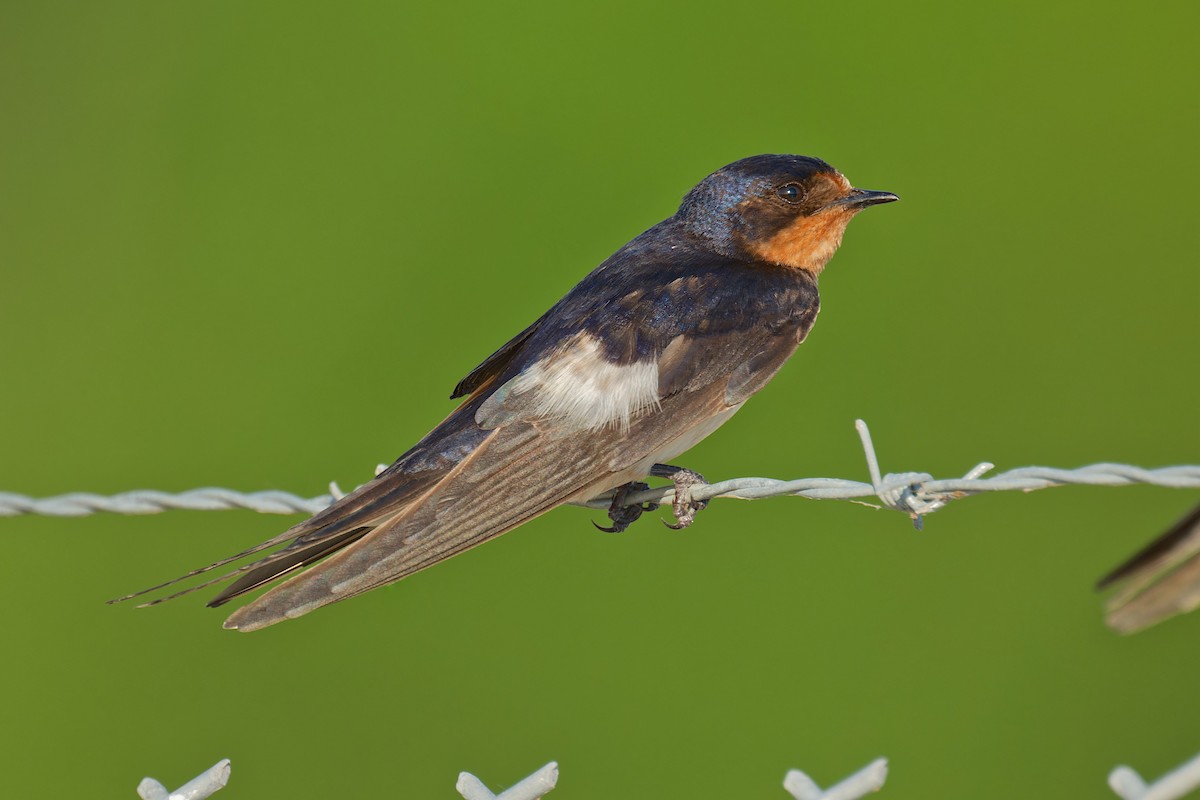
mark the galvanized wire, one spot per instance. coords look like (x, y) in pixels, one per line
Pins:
(145, 501)
(914, 493)
(800, 786)
(862, 783)
(1128, 785)
(530, 788)
(200, 787)
(1124, 781)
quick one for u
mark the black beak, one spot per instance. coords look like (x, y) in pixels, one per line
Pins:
(861, 198)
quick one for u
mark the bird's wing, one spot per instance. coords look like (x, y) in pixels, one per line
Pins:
(1162, 579)
(331, 528)
(495, 364)
(534, 450)
(354, 515)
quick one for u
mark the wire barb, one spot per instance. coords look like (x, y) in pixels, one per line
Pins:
(202, 786)
(916, 494)
(1124, 781)
(1128, 785)
(531, 788)
(868, 779)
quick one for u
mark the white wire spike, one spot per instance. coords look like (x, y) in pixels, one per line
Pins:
(901, 491)
(868, 779)
(531, 788)
(1128, 785)
(203, 785)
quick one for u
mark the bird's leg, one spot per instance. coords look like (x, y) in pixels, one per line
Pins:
(684, 507)
(621, 514)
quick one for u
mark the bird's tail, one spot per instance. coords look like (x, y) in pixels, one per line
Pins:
(317, 537)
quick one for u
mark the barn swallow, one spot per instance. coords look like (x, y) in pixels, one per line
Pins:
(650, 353)
(1159, 581)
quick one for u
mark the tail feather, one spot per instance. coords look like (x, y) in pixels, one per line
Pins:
(322, 534)
(415, 542)
(448, 520)
(261, 571)
(258, 548)
(289, 560)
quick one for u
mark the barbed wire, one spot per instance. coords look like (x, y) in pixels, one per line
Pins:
(868, 779)
(1124, 781)
(147, 501)
(1128, 785)
(534, 787)
(916, 494)
(200, 787)
(862, 783)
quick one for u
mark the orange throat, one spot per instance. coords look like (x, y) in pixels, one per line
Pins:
(809, 242)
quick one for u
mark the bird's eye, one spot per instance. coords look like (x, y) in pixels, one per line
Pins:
(790, 193)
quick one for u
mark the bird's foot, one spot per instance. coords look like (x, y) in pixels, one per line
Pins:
(623, 515)
(684, 506)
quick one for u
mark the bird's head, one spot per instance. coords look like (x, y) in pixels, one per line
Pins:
(781, 209)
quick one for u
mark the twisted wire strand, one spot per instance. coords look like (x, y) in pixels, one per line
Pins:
(913, 493)
(1125, 782)
(144, 501)
(924, 486)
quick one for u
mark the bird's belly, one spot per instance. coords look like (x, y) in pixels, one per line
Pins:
(690, 438)
(670, 450)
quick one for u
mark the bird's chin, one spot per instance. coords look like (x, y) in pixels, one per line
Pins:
(810, 241)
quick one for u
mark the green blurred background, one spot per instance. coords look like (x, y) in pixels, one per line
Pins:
(255, 245)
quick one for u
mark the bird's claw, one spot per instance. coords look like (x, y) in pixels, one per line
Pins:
(623, 515)
(683, 505)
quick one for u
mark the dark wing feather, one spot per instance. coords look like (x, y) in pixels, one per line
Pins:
(523, 470)
(294, 557)
(1159, 552)
(1163, 579)
(388, 494)
(496, 363)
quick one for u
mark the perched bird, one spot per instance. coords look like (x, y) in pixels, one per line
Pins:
(646, 356)
(1159, 581)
